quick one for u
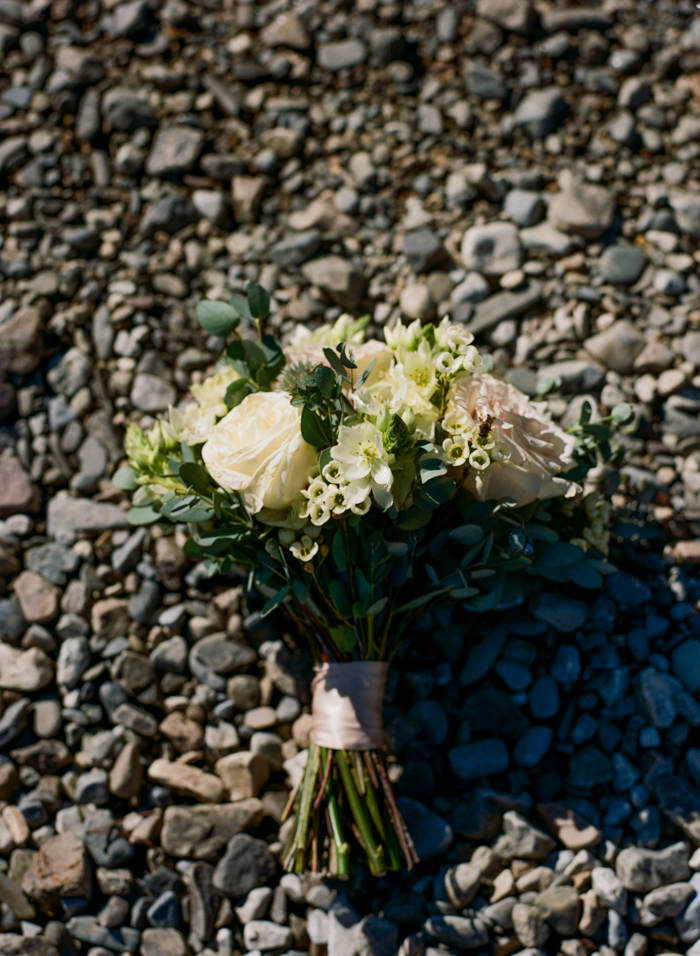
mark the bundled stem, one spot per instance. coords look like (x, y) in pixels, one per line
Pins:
(337, 787)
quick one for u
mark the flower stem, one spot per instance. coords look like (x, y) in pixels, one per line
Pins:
(342, 847)
(305, 804)
(375, 854)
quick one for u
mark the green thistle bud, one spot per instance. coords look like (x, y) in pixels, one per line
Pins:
(138, 448)
(397, 437)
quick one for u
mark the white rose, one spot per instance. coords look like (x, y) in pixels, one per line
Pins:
(257, 450)
(362, 356)
(539, 450)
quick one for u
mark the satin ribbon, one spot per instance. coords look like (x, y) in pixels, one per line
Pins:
(347, 705)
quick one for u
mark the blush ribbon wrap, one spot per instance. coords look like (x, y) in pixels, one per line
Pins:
(347, 705)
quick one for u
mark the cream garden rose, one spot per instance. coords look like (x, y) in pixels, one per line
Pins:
(539, 452)
(257, 450)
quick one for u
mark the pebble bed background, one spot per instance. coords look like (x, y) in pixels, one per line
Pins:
(532, 170)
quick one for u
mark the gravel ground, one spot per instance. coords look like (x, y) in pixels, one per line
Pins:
(532, 170)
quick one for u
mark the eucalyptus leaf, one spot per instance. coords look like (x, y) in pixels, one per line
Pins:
(143, 514)
(414, 518)
(377, 607)
(344, 638)
(217, 318)
(241, 307)
(125, 478)
(275, 601)
(467, 534)
(259, 302)
(195, 476)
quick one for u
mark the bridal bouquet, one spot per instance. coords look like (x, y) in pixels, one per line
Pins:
(363, 484)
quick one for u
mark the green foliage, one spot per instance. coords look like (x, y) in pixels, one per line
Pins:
(259, 302)
(126, 479)
(217, 318)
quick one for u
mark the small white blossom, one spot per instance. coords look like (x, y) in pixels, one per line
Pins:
(316, 490)
(471, 360)
(341, 497)
(456, 452)
(305, 549)
(453, 337)
(447, 364)
(318, 512)
(479, 459)
(333, 472)
(361, 507)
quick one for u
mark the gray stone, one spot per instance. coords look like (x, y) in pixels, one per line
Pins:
(71, 373)
(458, 931)
(484, 83)
(518, 16)
(67, 515)
(617, 347)
(431, 835)
(532, 746)
(634, 92)
(562, 613)
(429, 120)
(73, 660)
(125, 110)
(545, 238)
(524, 207)
(622, 265)
(52, 561)
(686, 207)
(13, 720)
(582, 208)
(88, 930)
(126, 18)
(623, 129)
(175, 149)
(529, 926)
(296, 249)
(247, 863)
(540, 112)
(152, 394)
(341, 55)
(609, 889)
(504, 305)
(479, 759)
(199, 832)
(103, 841)
(575, 18)
(670, 900)
(264, 936)
(338, 278)
(642, 870)
(170, 214)
(560, 907)
(492, 249)
(522, 840)
(424, 250)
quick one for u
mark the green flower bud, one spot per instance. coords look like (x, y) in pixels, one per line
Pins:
(409, 420)
(383, 418)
